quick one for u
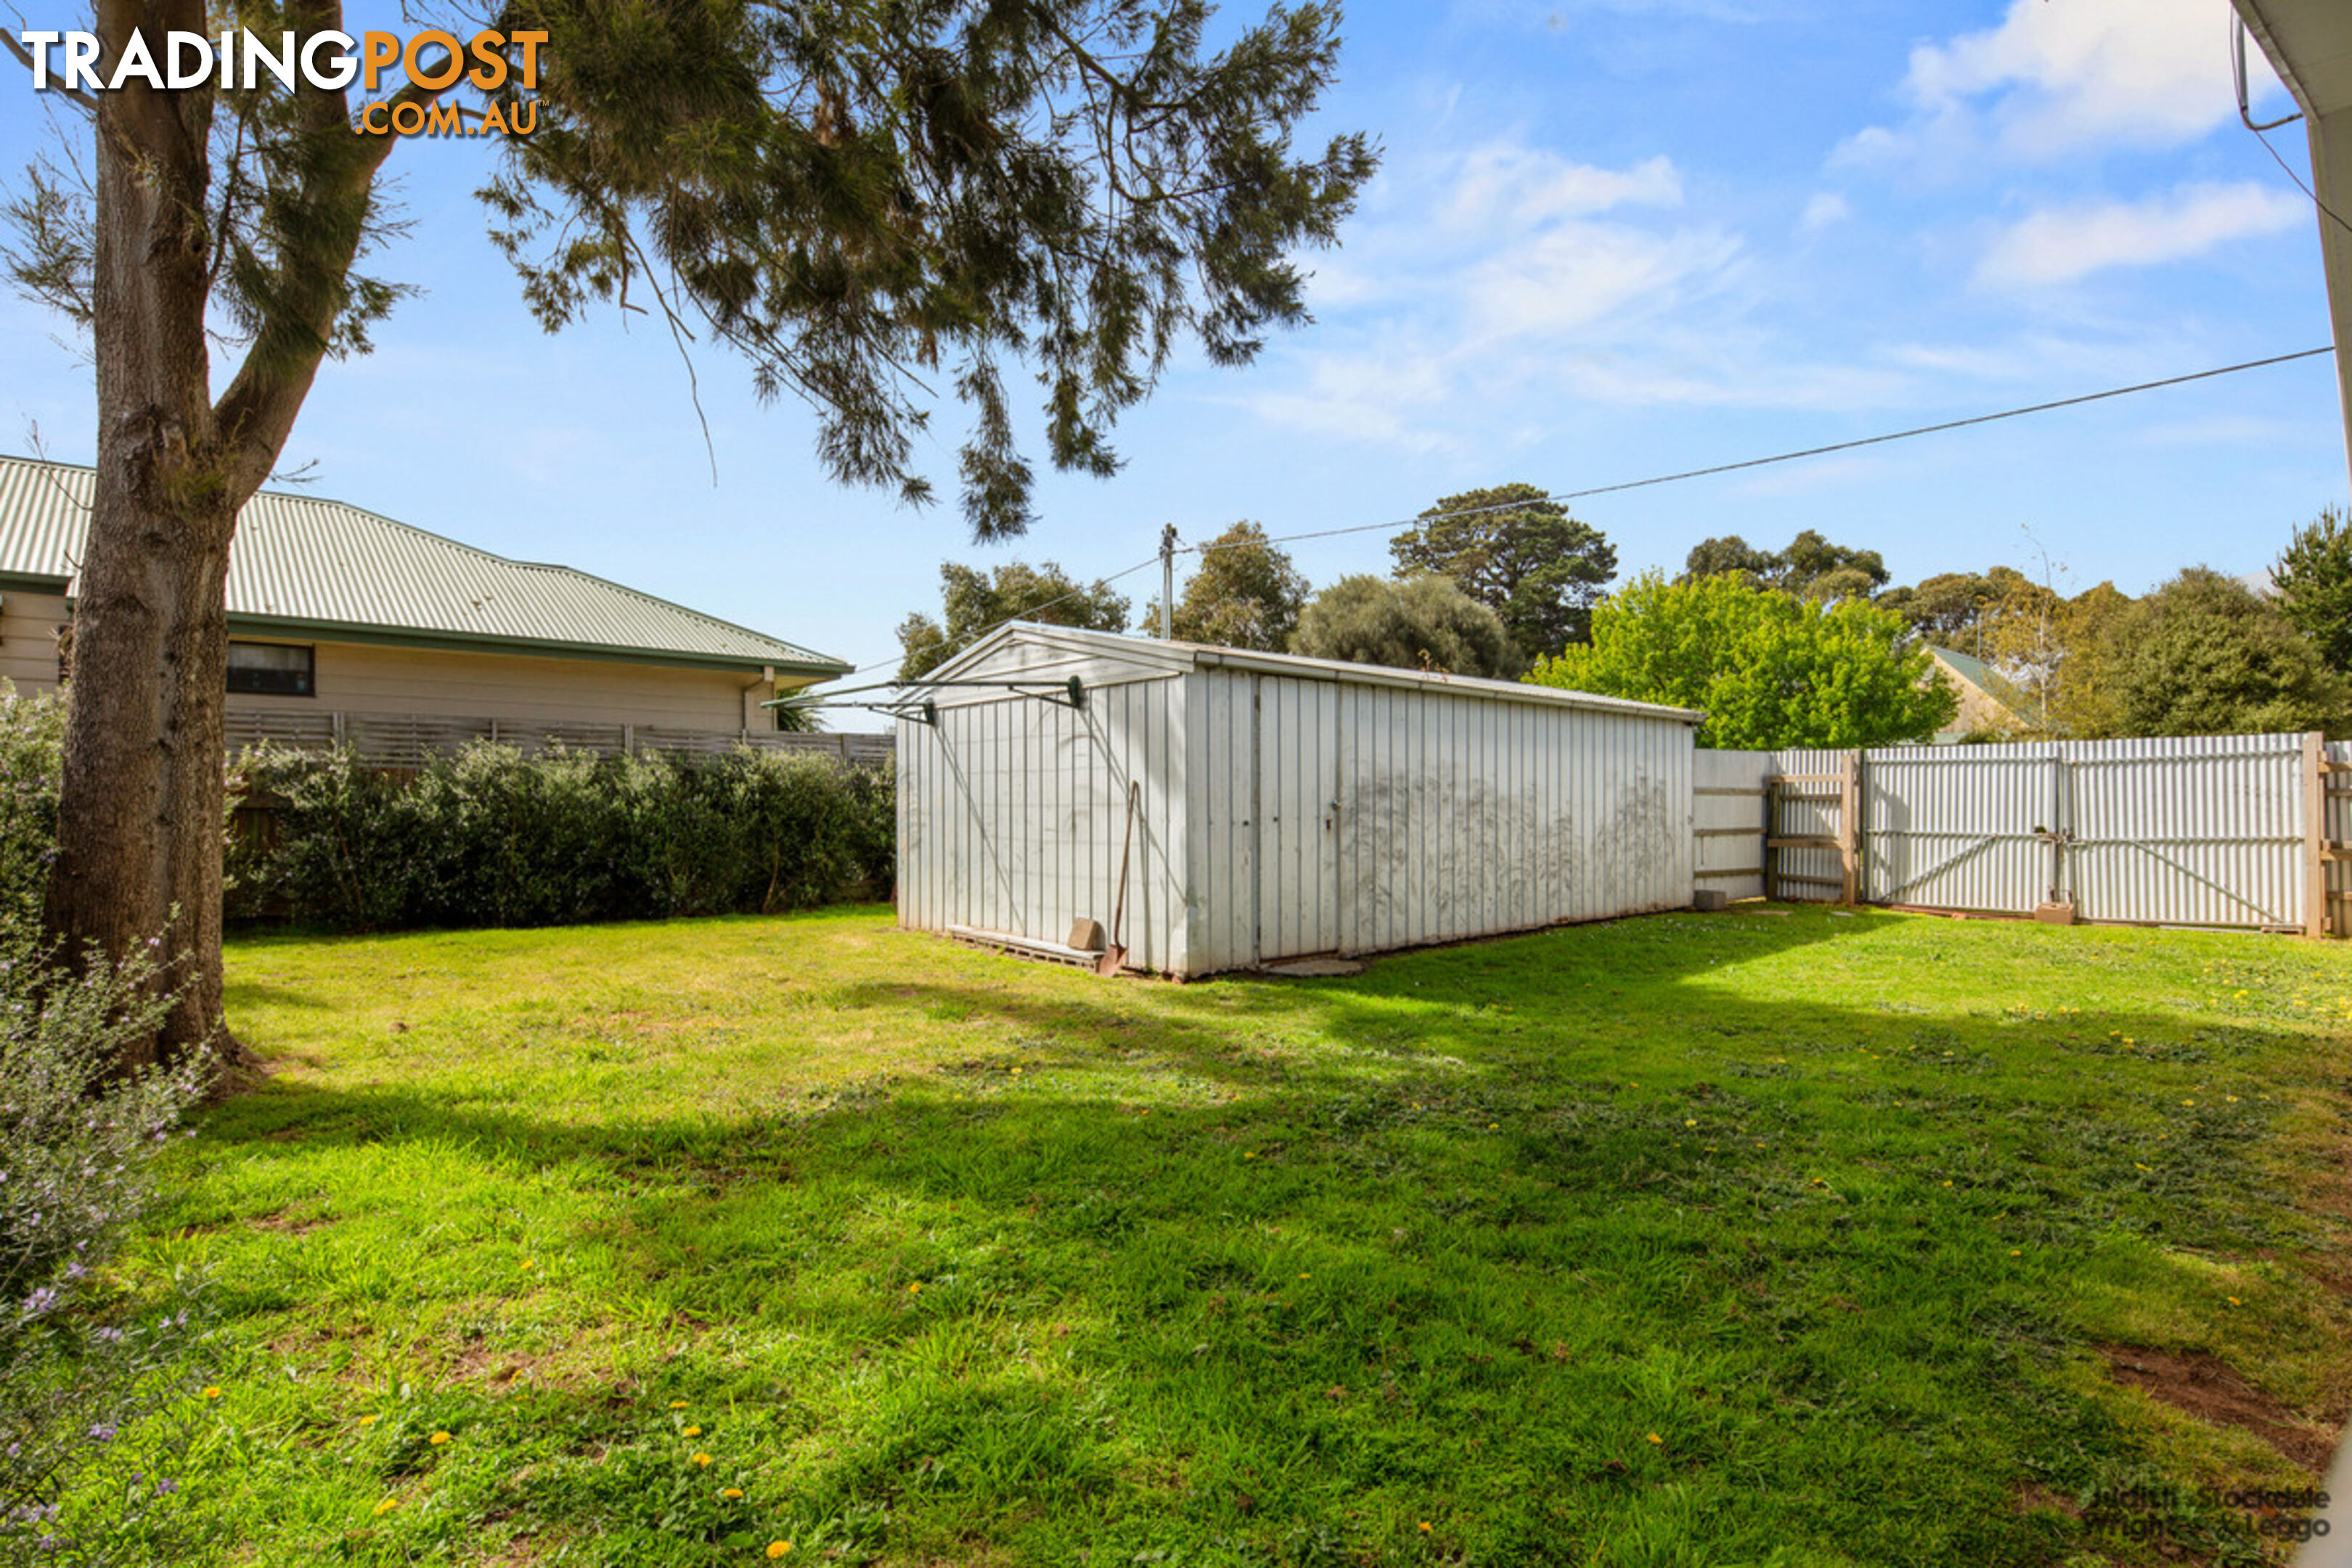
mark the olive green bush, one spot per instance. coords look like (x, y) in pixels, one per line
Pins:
(493, 837)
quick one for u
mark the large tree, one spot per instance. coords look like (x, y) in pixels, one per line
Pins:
(1246, 593)
(1519, 554)
(2312, 580)
(1812, 567)
(2204, 654)
(1423, 623)
(972, 601)
(859, 197)
(1767, 669)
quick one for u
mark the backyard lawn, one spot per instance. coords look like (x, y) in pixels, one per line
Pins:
(1757, 1238)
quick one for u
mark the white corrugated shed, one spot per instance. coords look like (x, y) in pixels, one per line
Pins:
(1289, 806)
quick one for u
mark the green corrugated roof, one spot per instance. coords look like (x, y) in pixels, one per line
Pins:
(301, 564)
(1974, 671)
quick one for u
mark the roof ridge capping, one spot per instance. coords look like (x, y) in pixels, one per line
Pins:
(1174, 655)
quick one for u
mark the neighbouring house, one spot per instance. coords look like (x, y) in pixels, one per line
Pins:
(1983, 712)
(339, 618)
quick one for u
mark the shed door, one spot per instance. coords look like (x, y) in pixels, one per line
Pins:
(1297, 817)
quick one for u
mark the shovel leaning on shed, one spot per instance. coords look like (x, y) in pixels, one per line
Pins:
(1114, 956)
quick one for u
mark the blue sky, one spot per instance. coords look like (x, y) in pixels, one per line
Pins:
(1609, 240)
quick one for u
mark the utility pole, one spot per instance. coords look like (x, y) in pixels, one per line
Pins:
(1167, 582)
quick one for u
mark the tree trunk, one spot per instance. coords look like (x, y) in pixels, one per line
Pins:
(140, 827)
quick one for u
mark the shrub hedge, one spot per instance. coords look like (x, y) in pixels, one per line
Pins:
(492, 838)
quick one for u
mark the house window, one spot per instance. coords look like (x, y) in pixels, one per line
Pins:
(274, 670)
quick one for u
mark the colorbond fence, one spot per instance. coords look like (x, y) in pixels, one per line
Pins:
(2231, 831)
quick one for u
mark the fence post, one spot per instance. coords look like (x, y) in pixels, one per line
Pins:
(2316, 845)
(1850, 829)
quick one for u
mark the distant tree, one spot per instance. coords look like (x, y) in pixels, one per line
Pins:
(972, 601)
(2204, 654)
(1946, 609)
(1522, 557)
(2312, 580)
(1810, 567)
(1767, 669)
(1732, 554)
(1246, 593)
(1423, 623)
(2083, 701)
(1813, 568)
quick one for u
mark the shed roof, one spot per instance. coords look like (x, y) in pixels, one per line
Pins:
(1115, 656)
(306, 567)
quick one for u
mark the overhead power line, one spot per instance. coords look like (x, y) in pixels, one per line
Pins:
(1745, 463)
(1785, 457)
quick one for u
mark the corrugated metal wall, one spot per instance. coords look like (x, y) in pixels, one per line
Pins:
(1010, 816)
(1728, 805)
(1954, 828)
(2337, 814)
(1391, 817)
(2205, 830)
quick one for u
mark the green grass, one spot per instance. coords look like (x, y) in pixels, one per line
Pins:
(1729, 1239)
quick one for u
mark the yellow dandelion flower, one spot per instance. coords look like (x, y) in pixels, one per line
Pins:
(387, 1506)
(1492, 1126)
(1249, 1155)
(2014, 1252)
(367, 1420)
(703, 1460)
(731, 1493)
(1690, 1121)
(1424, 1527)
(2233, 1301)
(2138, 1166)
(212, 1392)
(1655, 1438)
(777, 1549)
(438, 1438)
(678, 1405)
(694, 1431)
(914, 1289)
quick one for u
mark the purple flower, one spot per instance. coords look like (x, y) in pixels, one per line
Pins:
(102, 1432)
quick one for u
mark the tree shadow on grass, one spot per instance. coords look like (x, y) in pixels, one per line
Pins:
(1262, 1260)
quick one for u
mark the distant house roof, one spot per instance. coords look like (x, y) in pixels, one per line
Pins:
(1982, 706)
(303, 566)
(1968, 666)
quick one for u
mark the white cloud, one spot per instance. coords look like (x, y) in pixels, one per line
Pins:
(1826, 208)
(2059, 75)
(2061, 244)
(1521, 187)
(1567, 281)
(1485, 271)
